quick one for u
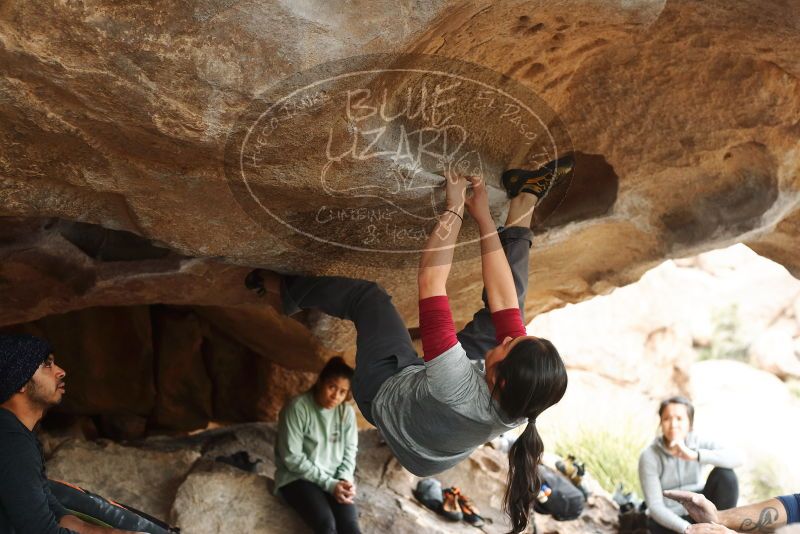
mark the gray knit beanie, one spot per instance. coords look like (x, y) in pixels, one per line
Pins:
(20, 356)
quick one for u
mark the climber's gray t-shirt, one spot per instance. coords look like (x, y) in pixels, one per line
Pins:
(434, 416)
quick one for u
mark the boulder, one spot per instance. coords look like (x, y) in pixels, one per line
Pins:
(98, 136)
(144, 479)
(219, 498)
(730, 398)
(775, 350)
(187, 480)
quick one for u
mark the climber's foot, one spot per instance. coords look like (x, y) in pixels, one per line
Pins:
(266, 284)
(540, 181)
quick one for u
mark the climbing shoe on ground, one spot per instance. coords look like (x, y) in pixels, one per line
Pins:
(540, 181)
(469, 511)
(450, 508)
(429, 493)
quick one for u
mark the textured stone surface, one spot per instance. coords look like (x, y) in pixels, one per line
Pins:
(703, 306)
(145, 479)
(183, 386)
(110, 351)
(140, 369)
(202, 495)
(118, 115)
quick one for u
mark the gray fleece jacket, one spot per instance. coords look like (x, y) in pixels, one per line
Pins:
(660, 471)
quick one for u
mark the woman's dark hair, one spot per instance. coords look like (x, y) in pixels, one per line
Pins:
(678, 400)
(530, 379)
(335, 368)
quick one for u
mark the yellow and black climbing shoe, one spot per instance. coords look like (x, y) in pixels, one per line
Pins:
(540, 181)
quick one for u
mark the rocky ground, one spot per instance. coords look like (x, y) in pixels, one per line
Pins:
(181, 479)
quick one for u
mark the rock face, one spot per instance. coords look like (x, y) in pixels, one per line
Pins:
(144, 479)
(728, 391)
(119, 124)
(699, 307)
(144, 369)
(117, 117)
(181, 479)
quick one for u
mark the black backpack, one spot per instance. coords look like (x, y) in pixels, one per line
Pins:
(565, 501)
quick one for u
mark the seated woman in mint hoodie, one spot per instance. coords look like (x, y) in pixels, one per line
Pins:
(315, 453)
(435, 411)
(674, 461)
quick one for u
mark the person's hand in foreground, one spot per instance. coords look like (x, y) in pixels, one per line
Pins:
(697, 506)
(763, 516)
(708, 528)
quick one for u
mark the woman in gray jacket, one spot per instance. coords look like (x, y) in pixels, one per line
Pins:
(674, 460)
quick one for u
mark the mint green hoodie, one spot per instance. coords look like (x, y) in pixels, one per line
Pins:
(315, 444)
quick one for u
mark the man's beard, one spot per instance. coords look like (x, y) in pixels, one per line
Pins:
(37, 396)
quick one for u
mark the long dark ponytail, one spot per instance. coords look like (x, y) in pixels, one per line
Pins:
(530, 379)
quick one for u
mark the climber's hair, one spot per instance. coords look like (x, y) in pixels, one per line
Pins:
(335, 368)
(677, 400)
(530, 379)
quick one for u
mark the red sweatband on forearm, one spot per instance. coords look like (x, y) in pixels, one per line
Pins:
(508, 323)
(436, 326)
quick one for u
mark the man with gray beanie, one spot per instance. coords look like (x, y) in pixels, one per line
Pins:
(30, 384)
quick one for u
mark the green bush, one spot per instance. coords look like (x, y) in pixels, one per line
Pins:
(727, 341)
(611, 456)
(794, 387)
(764, 476)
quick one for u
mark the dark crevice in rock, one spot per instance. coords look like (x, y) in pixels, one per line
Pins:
(105, 244)
(591, 193)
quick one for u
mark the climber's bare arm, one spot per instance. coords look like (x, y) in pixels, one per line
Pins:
(497, 279)
(434, 265)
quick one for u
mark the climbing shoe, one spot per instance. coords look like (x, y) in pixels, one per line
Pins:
(574, 470)
(450, 508)
(265, 284)
(254, 281)
(540, 181)
(469, 511)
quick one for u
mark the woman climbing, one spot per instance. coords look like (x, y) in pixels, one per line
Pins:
(433, 412)
(315, 453)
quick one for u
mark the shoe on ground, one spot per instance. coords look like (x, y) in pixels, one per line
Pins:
(451, 510)
(469, 511)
